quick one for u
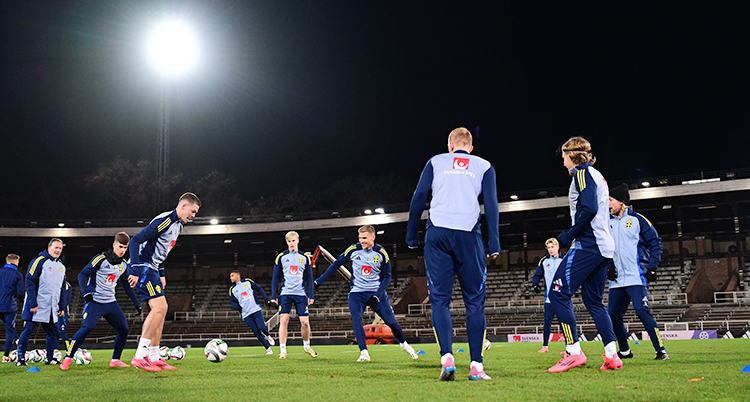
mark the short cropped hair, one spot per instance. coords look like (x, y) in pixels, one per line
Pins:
(235, 271)
(190, 198)
(460, 136)
(580, 150)
(122, 238)
(367, 229)
(54, 239)
(12, 258)
(291, 234)
(552, 240)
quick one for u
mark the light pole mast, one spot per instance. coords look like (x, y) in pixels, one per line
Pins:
(162, 157)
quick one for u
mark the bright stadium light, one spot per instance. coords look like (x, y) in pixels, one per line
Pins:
(379, 210)
(173, 47)
(214, 221)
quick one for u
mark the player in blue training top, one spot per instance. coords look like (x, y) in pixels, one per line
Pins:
(295, 270)
(637, 256)
(453, 245)
(45, 282)
(98, 281)
(588, 260)
(371, 274)
(62, 322)
(11, 287)
(546, 269)
(148, 250)
(243, 297)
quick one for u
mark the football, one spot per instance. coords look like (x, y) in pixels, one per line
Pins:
(36, 356)
(164, 353)
(13, 355)
(487, 344)
(57, 355)
(82, 356)
(177, 353)
(216, 351)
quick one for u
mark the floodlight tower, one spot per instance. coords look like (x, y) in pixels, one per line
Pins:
(172, 49)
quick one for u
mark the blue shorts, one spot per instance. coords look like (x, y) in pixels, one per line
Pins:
(299, 301)
(149, 285)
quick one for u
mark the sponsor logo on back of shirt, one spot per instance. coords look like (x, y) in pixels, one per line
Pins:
(461, 163)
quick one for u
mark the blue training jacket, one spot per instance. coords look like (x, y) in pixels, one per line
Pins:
(11, 287)
(243, 295)
(589, 212)
(371, 269)
(546, 269)
(45, 284)
(150, 247)
(295, 270)
(456, 180)
(637, 248)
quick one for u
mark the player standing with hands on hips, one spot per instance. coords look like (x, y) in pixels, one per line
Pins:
(454, 245)
(637, 256)
(586, 264)
(148, 250)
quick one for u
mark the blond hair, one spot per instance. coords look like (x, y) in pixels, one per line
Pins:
(367, 228)
(11, 258)
(553, 241)
(461, 137)
(291, 234)
(54, 240)
(580, 150)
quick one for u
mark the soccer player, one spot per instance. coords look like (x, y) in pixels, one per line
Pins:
(637, 256)
(586, 263)
(148, 250)
(453, 244)
(546, 269)
(243, 296)
(11, 287)
(62, 322)
(45, 282)
(295, 269)
(371, 274)
(98, 281)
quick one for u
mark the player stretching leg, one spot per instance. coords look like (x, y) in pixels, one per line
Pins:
(295, 269)
(148, 250)
(637, 256)
(590, 255)
(243, 298)
(546, 269)
(453, 243)
(98, 280)
(371, 274)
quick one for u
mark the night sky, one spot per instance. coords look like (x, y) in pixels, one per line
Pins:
(298, 93)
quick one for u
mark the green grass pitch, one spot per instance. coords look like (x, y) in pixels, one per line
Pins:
(518, 372)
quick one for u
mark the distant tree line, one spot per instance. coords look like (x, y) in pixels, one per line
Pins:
(122, 188)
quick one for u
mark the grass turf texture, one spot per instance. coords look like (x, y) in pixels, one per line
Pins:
(518, 372)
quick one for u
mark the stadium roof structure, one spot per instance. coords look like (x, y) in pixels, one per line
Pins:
(708, 207)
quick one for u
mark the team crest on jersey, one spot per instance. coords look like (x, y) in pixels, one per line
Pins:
(245, 285)
(121, 267)
(461, 163)
(366, 270)
(60, 269)
(376, 259)
(301, 260)
(629, 224)
(111, 278)
(244, 295)
(294, 269)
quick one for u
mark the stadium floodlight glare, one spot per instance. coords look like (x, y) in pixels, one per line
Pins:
(214, 221)
(368, 212)
(173, 47)
(514, 197)
(646, 184)
(379, 210)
